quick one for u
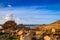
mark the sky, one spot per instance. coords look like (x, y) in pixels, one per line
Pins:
(32, 11)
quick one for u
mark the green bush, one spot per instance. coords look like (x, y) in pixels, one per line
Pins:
(7, 36)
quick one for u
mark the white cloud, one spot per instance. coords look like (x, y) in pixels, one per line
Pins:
(32, 15)
(9, 5)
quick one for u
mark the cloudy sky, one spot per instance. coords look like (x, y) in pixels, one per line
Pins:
(32, 11)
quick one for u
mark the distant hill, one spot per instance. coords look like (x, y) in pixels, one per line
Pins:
(55, 24)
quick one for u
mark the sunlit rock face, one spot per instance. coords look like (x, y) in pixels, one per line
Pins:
(47, 38)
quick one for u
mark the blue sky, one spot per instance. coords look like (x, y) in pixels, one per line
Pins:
(32, 11)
